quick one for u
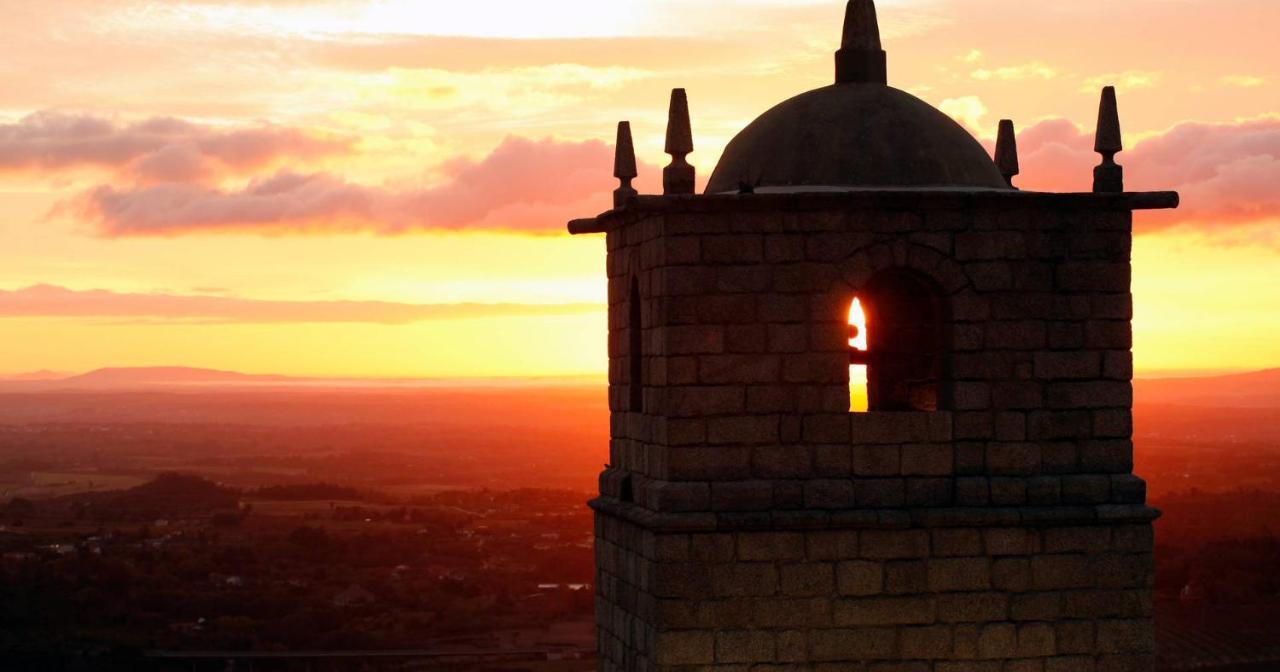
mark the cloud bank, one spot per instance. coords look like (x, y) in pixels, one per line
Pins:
(1227, 173)
(55, 301)
(523, 186)
(161, 149)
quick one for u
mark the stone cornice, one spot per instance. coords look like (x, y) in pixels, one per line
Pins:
(876, 519)
(879, 199)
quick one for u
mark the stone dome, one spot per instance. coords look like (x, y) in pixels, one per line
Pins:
(851, 136)
(859, 133)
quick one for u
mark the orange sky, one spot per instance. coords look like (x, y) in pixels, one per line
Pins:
(379, 187)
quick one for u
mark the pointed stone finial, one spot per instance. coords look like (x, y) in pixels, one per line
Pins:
(678, 178)
(861, 26)
(624, 165)
(1108, 177)
(1007, 151)
(861, 59)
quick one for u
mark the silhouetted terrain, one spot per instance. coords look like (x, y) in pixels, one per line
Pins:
(181, 563)
(280, 515)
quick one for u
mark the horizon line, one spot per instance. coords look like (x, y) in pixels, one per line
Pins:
(254, 379)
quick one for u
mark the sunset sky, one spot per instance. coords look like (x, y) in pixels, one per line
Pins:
(379, 188)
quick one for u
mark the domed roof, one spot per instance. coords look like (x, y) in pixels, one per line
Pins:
(855, 135)
(859, 133)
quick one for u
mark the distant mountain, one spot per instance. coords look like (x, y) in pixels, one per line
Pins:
(38, 375)
(177, 377)
(1247, 390)
(166, 375)
(142, 378)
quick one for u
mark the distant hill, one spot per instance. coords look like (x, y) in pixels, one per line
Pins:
(1247, 390)
(177, 377)
(143, 378)
(168, 495)
(164, 375)
(37, 376)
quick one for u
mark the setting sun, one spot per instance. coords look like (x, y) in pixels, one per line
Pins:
(858, 401)
(858, 326)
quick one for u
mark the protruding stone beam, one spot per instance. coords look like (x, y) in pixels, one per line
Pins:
(861, 59)
(582, 227)
(1108, 177)
(1007, 151)
(624, 166)
(678, 178)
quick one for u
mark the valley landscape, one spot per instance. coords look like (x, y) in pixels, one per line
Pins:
(639, 336)
(190, 510)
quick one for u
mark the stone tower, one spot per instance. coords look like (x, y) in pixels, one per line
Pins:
(979, 512)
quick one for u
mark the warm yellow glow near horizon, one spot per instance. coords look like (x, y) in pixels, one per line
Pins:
(418, 100)
(1200, 307)
(481, 348)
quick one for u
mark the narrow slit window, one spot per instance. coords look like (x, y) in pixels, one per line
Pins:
(896, 327)
(635, 329)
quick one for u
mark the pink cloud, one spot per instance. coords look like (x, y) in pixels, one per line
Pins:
(523, 185)
(1227, 173)
(161, 149)
(54, 301)
(284, 201)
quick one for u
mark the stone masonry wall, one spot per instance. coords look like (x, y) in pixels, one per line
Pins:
(999, 599)
(748, 518)
(746, 366)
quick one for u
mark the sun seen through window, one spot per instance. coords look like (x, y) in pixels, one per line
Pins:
(858, 371)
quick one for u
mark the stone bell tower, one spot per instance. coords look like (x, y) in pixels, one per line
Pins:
(979, 512)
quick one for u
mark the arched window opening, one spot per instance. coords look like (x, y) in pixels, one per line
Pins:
(635, 331)
(897, 347)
